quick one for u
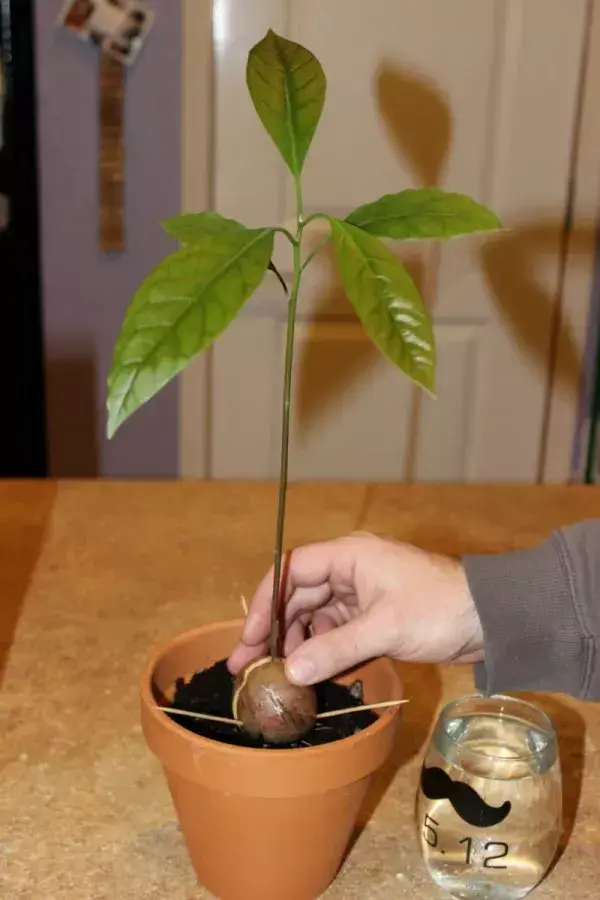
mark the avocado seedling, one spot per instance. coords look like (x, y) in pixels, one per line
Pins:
(194, 294)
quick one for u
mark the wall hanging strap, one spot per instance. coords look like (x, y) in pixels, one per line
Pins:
(112, 155)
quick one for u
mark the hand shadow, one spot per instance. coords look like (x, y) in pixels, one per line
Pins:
(570, 730)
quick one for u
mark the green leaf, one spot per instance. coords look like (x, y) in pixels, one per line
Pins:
(192, 227)
(425, 213)
(387, 301)
(189, 299)
(287, 86)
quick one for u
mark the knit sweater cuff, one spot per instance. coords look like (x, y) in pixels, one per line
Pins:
(534, 638)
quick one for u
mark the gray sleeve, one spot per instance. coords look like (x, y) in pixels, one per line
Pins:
(540, 615)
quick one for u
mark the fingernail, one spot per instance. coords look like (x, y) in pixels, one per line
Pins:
(301, 670)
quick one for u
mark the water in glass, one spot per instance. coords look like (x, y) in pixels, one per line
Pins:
(489, 803)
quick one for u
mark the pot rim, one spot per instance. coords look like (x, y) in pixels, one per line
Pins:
(384, 719)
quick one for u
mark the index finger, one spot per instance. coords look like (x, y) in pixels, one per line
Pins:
(310, 566)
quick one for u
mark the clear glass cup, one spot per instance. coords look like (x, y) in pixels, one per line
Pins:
(489, 804)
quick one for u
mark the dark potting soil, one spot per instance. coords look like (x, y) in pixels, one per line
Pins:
(211, 691)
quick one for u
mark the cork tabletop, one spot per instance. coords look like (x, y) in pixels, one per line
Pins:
(92, 575)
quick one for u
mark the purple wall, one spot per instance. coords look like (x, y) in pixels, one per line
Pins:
(86, 292)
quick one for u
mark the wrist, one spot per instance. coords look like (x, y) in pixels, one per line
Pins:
(471, 648)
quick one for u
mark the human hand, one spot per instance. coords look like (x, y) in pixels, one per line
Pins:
(363, 596)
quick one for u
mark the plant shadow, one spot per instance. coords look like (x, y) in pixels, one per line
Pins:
(418, 120)
(417, 718)
(328, 366)
(26, 508)
(73, 442)
(511, 264)
(523, 269)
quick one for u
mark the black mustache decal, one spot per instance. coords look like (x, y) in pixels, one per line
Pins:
(466, 802)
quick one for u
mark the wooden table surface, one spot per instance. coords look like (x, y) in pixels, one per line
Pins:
(94, 574)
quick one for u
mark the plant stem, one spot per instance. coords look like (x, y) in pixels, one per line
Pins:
(287, 234)
(274, 637)
(316, 250)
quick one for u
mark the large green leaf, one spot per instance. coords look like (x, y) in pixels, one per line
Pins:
(418, 214)
(192, 227)
(387, 301)
(287, 86)
(189, 299)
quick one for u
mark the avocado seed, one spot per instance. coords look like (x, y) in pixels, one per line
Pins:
(270, 706)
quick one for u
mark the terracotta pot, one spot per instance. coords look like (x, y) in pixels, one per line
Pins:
(262, 824)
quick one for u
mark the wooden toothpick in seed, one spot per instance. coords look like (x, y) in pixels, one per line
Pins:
(197, 715)
(386, 704)
(244, 605)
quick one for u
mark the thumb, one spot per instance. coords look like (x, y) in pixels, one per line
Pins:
(329, 654)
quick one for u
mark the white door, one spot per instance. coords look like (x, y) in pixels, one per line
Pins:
(476, 96)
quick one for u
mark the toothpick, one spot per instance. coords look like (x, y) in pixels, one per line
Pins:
(326, 715)
(354, 709)
(197, 715)
(244, 605)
